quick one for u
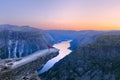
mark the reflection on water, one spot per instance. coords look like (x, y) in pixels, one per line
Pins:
(63, 47)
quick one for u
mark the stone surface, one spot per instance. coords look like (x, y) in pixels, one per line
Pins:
(27, 71)
(16, 41)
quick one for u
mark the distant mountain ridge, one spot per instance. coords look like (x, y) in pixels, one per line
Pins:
(85, 37)
(95, 54)
(62, 35)
(79, 38)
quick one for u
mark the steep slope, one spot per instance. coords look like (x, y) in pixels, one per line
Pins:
(21, 41)
(88, 36)
(49, 38)
(99, 60)
(85, 37)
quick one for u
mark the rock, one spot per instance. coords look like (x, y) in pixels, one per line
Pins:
(26, 68)
(16, 41)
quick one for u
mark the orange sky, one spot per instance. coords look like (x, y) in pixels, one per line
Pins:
(62, 14)
(81, 27)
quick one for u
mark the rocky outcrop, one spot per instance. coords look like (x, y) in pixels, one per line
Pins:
(16, 42)
(25, 68)
(99, 60)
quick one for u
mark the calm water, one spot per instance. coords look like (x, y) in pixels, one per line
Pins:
(63, 47)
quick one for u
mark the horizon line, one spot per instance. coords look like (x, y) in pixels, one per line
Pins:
(37, 27)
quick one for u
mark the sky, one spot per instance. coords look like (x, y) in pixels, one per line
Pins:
(62, 14)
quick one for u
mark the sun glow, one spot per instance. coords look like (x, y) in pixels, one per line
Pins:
(62, 14)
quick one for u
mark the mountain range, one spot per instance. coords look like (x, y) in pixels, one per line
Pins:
(95, 54)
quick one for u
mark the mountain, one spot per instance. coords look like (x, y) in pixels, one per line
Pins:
(62, 35)
(78, 38)
(98, 60)
(19, 41)
(85, 37)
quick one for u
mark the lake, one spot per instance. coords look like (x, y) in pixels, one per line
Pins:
(64, 50)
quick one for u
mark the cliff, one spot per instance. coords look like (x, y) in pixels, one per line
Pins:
(20, 41)
(26, 68)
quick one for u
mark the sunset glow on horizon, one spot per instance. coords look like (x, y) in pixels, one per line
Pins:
(62, 14)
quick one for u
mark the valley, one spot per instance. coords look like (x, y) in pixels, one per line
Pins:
(98, 60)
(59, 39)
(63, 51)
(80, 55)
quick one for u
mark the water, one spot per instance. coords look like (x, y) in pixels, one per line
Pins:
(63, 47)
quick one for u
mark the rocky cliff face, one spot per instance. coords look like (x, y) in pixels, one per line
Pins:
(25, 68)
(21, 41)
(16, 46)
(99, 60)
